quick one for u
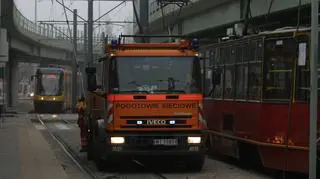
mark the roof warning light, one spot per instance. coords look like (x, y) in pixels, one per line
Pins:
(195, 44)
(114, 43)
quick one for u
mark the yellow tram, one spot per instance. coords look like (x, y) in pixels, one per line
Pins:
(53, 90)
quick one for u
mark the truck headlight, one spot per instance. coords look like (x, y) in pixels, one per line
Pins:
(194, 140)
(117, 140)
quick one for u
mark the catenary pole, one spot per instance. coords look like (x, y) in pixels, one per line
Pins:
(313, 90)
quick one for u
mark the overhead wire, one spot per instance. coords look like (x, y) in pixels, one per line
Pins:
(62, 14)
(104, 15)
(66, 8)
(51, 16)
(138, 20)
(73, 47)
(292, 95)
(168, 25)
(115, 7)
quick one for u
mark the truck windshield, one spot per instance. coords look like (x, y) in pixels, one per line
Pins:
(48, 84)
(155, 75)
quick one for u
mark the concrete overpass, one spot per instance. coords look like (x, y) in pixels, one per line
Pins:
(211, 18)
(22, 40)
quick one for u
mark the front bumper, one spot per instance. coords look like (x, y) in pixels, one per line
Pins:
(141, 144)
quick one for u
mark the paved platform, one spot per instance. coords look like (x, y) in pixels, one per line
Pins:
(24, 152)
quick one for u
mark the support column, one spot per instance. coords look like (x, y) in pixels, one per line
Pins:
(144, 16)
(314, 89)
(85, 49)
(74, 66)
(13, 83)
(89, 61)
(141, 11)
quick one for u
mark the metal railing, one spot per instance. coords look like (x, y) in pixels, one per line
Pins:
(154, 7)
(48, 31)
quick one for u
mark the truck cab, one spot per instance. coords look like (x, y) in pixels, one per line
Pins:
(149, 103)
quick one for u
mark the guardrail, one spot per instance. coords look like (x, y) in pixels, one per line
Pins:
(49, 31)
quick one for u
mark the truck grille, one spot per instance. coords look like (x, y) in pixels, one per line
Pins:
(176, 121)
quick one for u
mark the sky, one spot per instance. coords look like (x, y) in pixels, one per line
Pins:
(51, 10)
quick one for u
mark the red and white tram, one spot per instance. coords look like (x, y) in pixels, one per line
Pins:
(257, 102)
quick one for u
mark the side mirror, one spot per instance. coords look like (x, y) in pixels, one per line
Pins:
(91, 78)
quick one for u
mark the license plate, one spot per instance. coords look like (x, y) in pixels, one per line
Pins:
(166, 142)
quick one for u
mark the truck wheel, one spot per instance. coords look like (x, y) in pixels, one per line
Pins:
(195, 164)
(90, 149)
(100, 163)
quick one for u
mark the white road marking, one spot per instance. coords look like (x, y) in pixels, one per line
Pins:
(69, 116)
(61, 126)
(39, 127)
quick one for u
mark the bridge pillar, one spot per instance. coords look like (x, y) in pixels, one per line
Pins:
(13, 82)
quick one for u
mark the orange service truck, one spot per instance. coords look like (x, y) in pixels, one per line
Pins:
(149, 103)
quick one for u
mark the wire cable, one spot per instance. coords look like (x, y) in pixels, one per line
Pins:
(138, 20)
(269, 10)
(62, 14)
(74, 48)
(292, 97)
(169, 26)
(115, 7)
(66, 8)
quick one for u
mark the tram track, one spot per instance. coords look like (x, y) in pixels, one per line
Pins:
(83, 167)
(67, 150)
(89, 169)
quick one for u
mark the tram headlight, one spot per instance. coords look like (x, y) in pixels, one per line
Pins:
(117, 140)
(32, 94)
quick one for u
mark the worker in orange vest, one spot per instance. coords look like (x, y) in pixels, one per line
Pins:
(81, 106)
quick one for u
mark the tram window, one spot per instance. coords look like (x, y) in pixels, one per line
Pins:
(239, 54)
(252, 53)
(232, 55)
(254, 79)
(246, 52)
(302, 83)
(259, 52)
(212, 58)
(224, 55)
(20, 88)
(217, 57)
(241, 81)
(278, 68)
(303, 77)
(229, 81)
(218, 82)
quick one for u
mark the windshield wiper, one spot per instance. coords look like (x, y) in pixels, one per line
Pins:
(175, 81)
(134, 83)
(133, 91)
(170, 91)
